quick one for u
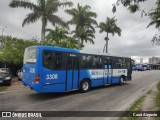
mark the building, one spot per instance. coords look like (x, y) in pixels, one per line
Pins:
(154, 60)
(140, 59)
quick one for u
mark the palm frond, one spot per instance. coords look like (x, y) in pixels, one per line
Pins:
(90, 20)
(102, 27)
(92, 14)
(133, 8)
(87, 7)
(23, 4)
(52, 6)
(56, 20)
(91, 27)
(64, 4)
(32, 17)
(89, 40)
(109, 26)
(49, 30)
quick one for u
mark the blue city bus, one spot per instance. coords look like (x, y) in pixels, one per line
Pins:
(141, 67)
(55, 69)
(149, 66)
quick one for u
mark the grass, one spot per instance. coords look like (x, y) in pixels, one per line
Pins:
(158, 96)
(2, 88)
(157, 100)
(136, 106)
(149, 91)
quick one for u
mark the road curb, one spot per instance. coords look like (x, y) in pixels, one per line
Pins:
(133, 99)
(12, 91)
(135, 96)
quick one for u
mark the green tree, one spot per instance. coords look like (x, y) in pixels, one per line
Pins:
(13, 49)
(85, 34)
(59, 37)
(67, 42)
(83, 18)
(44, 10)
(155, 20)
(56, 35)
(155, 16)
(132, 5)
(109, 26)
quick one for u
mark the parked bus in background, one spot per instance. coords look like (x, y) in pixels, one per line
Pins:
(56, 69)
(141, 67)
(149, 66)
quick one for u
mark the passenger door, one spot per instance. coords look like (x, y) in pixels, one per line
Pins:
(72, 72)
(107, 70)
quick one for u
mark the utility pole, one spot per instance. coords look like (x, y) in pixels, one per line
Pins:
(3, 30)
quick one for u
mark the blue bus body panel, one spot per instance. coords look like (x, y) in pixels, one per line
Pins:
(54, 88)
(115, 79)
(89, 74)
(56, 79)
(29, 74)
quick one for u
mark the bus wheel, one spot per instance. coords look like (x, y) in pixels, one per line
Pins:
(85, 86)
(121, 81)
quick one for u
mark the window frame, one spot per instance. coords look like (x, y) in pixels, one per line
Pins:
(63, 60)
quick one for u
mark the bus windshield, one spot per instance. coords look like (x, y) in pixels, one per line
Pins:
(30, 55)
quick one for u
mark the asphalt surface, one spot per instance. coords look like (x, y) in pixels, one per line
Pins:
(108, 98)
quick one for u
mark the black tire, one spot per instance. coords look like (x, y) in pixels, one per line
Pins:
(121, 80)
(8, 83)
(85, 86)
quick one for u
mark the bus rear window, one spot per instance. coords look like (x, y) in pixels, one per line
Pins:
(30, 55)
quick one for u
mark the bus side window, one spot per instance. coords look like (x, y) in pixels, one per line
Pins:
(53, 60)
(120, 63)
(97, 62)
(58, 61)
(86, 61)
(69, 63)
(48, 58)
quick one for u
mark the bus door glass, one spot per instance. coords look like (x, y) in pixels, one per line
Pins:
(129, 67)
(107, 70)
(72, 72)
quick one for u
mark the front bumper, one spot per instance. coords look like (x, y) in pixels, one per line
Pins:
(5, 81)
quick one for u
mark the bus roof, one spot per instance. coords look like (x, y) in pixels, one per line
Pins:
(104, 54)
(57, 48)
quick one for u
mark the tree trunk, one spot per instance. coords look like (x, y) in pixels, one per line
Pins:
(43, 34)
(104, 48)
(79, 43)
(43, 30)
(107, 44)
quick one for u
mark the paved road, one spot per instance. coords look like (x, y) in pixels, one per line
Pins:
(109, 98)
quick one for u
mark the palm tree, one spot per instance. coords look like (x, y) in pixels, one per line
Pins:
(109, 27)
(155, 20)
(82, 17)
(85, 34)
(60, 37)
(44, 10)
(155, 16)
(56, 35)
